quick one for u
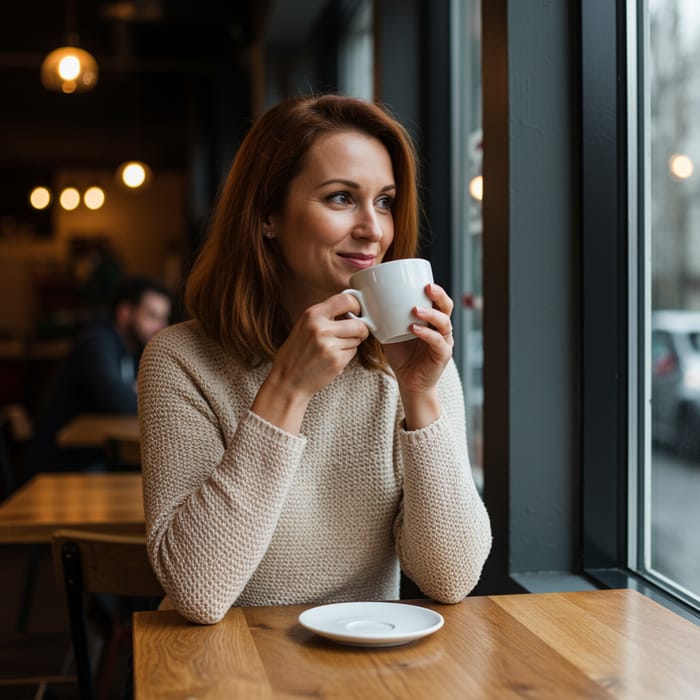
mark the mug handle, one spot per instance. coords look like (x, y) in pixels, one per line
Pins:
(365, 319)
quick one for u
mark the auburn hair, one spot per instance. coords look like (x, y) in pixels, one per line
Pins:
(234, 287)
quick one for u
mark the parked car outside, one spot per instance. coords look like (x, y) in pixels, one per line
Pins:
(675, 381)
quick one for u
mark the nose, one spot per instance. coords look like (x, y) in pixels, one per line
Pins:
(368, 225)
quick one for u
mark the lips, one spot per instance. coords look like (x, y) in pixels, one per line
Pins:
(358, 260)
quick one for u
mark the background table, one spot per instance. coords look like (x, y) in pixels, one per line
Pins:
(592, 644)
(110, 502)
(94, 429)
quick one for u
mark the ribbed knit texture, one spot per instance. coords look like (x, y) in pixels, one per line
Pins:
(239, 512)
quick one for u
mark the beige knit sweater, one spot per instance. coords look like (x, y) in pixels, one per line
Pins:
(240, 512)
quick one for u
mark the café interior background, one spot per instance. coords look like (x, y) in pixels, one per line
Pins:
(178, 84)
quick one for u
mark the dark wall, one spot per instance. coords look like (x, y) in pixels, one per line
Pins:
(412, 57)
(532, 311)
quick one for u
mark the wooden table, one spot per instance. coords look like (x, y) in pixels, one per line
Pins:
(93, 430)
(592, 644)
(110, 502)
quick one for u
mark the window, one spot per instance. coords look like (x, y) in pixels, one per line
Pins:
(355, 53)
(570, 479)
(668, 193)
(467, 197)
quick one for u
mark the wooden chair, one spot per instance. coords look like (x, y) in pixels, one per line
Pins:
(15, 430)
(30, 661)
(96, 563)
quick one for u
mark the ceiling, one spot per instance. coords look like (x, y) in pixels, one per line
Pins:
(173, 88)
(153, 56)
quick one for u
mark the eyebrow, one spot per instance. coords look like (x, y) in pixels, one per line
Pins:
(353, 185)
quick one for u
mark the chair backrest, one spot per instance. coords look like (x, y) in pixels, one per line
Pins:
(92, 562)
(114, 564)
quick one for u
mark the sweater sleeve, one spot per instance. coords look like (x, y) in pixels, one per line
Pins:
(211, 507)
(442, 531)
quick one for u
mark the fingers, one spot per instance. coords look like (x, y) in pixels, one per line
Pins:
(439, 328)
(330, 319)
(440, 298)
(437, 317)
(339, 305)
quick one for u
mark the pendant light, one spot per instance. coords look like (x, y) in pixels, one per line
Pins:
(69, 68)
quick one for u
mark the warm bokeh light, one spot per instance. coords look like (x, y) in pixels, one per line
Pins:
(134, 174)
(94, 197)
(70, 198)
(681, 166)
(40, 197)
(476, 187)
(69, 67)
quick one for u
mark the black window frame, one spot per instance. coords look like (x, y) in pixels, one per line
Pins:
(563, 106)
(614, 319)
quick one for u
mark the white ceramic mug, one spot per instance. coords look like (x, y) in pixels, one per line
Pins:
(388, 293)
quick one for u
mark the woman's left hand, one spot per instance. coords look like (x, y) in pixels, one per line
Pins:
(419, 365)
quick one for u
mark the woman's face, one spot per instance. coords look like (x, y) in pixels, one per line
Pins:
(337, 216)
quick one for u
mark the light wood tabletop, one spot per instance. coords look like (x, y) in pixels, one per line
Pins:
(107, 502)
(589, 644)
(94, 429)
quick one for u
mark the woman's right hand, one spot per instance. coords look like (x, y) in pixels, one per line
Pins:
(320, 345)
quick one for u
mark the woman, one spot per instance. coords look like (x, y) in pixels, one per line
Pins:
(287, 456)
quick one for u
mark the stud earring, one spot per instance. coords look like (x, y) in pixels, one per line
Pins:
(268, 234)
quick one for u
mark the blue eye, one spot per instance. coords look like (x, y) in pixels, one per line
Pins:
(339, 198)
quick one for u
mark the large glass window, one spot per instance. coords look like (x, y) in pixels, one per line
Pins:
(669, 194)
(467, 197)
(355, 53)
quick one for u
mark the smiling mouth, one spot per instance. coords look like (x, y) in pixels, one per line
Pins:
(358, 259)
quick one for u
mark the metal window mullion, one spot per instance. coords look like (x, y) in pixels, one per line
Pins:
(636, 346)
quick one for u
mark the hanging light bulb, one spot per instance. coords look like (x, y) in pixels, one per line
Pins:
(94, 197)
(40, 197)
(134, 174)
(69, 68)
(69, 198)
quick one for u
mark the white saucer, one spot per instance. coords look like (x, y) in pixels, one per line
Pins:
(371, 624)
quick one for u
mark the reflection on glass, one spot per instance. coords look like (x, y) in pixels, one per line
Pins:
(355, 53)
(672, 551)
(467, 247)
(681, 166)
(476, 187)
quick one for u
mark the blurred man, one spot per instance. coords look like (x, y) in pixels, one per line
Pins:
(99, 374)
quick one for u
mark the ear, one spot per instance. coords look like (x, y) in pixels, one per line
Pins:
(269, 226)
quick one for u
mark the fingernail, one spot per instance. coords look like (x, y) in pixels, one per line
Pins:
(420, 309)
